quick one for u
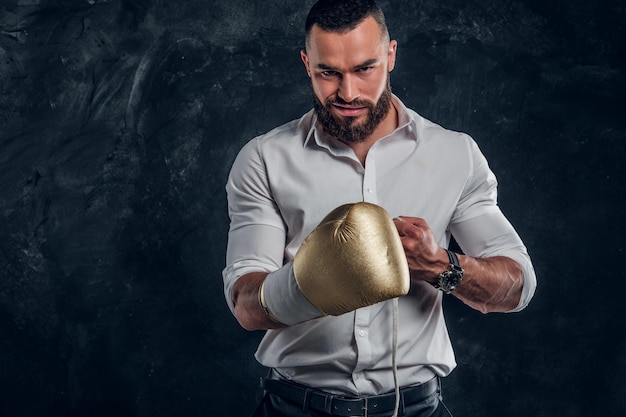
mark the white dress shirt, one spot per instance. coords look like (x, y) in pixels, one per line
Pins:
(283, 183)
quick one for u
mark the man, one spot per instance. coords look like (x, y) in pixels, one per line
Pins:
(362, 147)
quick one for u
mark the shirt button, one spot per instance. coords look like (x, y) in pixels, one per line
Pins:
(369, 190)
(362, 333)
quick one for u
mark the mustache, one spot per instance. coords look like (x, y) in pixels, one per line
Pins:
(356, 102)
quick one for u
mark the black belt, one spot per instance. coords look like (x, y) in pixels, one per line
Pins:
(341, 405)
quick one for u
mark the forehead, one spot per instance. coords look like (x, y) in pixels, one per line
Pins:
(363, 43)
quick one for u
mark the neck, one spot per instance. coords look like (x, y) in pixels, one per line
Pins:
(386, 126)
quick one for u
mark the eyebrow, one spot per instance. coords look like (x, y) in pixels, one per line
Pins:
(367, 63)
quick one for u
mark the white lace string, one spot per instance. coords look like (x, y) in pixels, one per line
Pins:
(394, 354)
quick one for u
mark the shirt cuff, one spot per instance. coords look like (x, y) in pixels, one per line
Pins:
(530, 280)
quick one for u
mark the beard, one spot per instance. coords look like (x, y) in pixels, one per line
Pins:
(347, 130)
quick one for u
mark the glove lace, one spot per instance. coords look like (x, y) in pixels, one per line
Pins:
(394, 354)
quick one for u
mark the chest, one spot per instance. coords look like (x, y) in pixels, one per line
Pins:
(403, 177)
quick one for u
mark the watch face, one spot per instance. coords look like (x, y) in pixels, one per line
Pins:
(449, 280)
(455, 278)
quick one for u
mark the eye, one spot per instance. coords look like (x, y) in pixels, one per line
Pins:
(365, 69)
(329, 73)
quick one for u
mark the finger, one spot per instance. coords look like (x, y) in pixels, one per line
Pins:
(411, 246)
(415, 221)
(406, 229)
(401, 225)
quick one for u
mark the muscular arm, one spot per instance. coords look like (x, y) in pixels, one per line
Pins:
(248, 311)
(489, 284)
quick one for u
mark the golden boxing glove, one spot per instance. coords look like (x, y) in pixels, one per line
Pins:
(354, 258)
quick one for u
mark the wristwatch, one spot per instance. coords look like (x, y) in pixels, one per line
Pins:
(448, 280)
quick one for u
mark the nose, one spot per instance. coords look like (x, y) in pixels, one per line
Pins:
(348, 88)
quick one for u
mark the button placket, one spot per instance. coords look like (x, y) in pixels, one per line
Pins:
(369, 179)
(364, 357)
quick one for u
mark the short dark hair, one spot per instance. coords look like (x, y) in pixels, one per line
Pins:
(343, 16)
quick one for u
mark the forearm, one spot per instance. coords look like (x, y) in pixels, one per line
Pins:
(248, 311)
(490, 284)
(497, 252)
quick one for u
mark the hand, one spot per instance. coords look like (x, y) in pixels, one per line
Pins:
(426, 258)
(489, 284)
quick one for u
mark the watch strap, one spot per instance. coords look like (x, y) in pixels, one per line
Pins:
(454, 260)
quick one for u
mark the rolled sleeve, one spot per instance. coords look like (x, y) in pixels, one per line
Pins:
(491, 234)
(481, 229)
(256, 238)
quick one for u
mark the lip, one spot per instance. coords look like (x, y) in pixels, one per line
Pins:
(349, 111)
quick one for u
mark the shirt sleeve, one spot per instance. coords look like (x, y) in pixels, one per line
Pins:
(481, 229)
(256, 238)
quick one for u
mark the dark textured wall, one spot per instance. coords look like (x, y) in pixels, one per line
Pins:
(119, 120)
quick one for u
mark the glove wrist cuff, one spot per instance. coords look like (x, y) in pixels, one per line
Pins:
(281, 298)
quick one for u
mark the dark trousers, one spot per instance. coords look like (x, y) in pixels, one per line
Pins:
(274, 406)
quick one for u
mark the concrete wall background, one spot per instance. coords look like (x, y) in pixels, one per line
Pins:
(119, 120)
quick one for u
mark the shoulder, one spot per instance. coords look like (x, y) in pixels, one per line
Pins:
(436, 143)
(292, 133)
(283, 138)
(429, 132)
(439, 138)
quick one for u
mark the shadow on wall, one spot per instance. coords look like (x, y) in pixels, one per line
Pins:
(117, 136)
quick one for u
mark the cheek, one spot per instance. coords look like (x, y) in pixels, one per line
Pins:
(323, 90)
(376, 87)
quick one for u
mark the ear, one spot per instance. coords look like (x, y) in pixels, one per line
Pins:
(305, 60)
(391, 56)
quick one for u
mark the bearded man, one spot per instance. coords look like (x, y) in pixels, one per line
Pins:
(340, 227)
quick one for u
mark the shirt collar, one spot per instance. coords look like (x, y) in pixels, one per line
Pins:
(405, 122)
